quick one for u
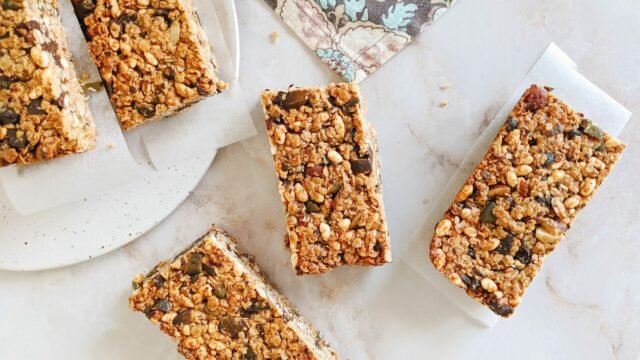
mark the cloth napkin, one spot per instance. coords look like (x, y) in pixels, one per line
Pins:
(355, 37)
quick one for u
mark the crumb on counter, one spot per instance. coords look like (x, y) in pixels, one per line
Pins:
(275, 36)
(444, 103)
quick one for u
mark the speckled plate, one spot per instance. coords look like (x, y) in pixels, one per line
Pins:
(104, 222)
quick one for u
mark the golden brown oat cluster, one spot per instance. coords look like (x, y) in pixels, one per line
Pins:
(43, 113)
(153, 56)
(544, 166)
(325, 156)
(214, 301)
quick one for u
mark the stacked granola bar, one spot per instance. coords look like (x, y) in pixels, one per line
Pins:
(43, 113)
(325, 156)
(153, 56)
(214, 301)
(543, 167)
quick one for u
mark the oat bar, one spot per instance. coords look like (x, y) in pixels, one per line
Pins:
(544, 166)
(325, 156)
(214, 301)
(43, 113)
(153, 56)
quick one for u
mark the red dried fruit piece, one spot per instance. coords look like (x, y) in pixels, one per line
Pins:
(315, 170)
(536, 98)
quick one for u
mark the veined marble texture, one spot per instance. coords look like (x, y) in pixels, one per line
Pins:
(585, 303)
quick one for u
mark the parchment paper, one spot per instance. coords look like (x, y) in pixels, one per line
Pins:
(212, 123)
(555, 69)
(61, 181)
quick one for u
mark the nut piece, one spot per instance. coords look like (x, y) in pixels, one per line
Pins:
(325, 231)
(572, 202)
(464, 193)
(488, 285)
(546, 237)
(443, 227)
(334, 157)
(587, 187)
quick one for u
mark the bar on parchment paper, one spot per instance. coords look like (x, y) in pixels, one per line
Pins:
(325, 156)
(541, 170)
(43, 112)
(153, 56)
(216, 303)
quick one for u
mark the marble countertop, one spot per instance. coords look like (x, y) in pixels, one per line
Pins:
(585, 303)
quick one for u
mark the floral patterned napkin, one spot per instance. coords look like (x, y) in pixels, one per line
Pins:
(355, 37)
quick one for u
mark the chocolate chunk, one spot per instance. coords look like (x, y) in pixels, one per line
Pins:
(360, 166)
(502, 310)
(512, 123)
(315, 170)
(9, 116)
(471, 251)
(83, 8)
(148, 312)
(35, 107)
(183, 317)
(163, 305)
(533, 142)
(544, 200)
(279, 99)
(312, 207)
(471, 282)
(158, 280)
(232, 326)
(536, 98)
(50, 46)
(486, 216)
(194, 266)
(15, 140)
(351, 106)
(128, 18)
(505, 245)
(32, 25)
(295, 99)
(523, 255)
(11, 5)
(146, 110)
(549, 157)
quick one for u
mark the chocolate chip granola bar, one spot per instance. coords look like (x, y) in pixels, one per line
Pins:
(215, 302)
(43, 113)
(325, 157)
(153, 56)
(544, 166)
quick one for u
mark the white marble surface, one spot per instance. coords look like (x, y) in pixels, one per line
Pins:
(585, 304)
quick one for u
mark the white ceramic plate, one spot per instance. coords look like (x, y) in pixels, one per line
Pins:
(102, 223)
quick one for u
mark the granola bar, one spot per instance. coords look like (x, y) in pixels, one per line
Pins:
(43, 113)
(544, 166)
(153, 56)
(325, 156)
(214, 301)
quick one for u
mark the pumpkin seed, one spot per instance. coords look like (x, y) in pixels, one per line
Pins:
(183, 317)
(487, 216)
(194, 266)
